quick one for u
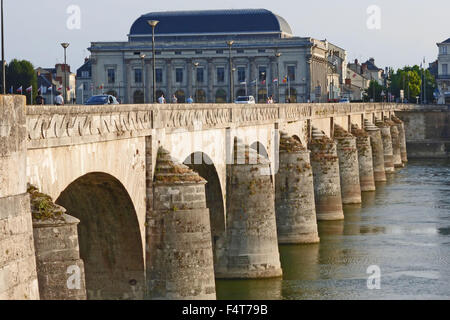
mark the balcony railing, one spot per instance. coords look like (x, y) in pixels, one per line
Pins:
(443, 76)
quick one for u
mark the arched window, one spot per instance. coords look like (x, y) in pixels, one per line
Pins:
(180, 96)
(138, 97)
(200, 96)
(292, 97)
(262, 95)
(240, 93)
(221, 96)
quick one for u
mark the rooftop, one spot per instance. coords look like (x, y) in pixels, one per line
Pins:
(210, 22)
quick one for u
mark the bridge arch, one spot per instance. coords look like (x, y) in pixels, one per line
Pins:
(109, 236)
(202, 164)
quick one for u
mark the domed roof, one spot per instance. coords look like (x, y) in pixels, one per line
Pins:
(211, 22)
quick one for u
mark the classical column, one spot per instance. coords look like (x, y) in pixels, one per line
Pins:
(397, 158)
(180, 266)
(210, 77)
(365, 160)
(348, 165)
(129, 94)
(327, 183)
(376, 142)
(387, 145)
(190, 91)
(294, 194)
(401, 132)
(251, 244)
(169, 77)
(148, 81)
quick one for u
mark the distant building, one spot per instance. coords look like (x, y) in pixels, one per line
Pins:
(356, 81)
(85, 87)
(54, 77)
(443, 77)
(187, 37)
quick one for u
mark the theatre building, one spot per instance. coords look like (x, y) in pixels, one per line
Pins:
(192, 54)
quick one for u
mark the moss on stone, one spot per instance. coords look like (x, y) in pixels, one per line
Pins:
(42, 205)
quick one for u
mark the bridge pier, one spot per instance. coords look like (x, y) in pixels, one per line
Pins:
(327, 184)
(365, 160)
(60, 269)
(294, 194)
(376, 143)
(18, 278)
(348, 166)
(180, 265)
(397, 158)
(402, 137)
(251, 244)
(387, 145)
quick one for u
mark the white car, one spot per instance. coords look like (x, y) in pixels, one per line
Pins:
(245, 100)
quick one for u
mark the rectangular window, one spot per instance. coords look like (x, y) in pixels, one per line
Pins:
(240, 50)
(178, 75)
(261, 50)
(85, 86)
(198, 51)
(111, 76)
(137, 75)
(200, 73)
(219, 51)
(158, 75)
(157, 53)
(178, 53)
(291, 73)
(220, 74)
(85, 74)
(444, 69)
(241, 74)
(262, 71)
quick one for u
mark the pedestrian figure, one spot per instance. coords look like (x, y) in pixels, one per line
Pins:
(174, 99)
(190, 100)
(161, 99)
(59, 100)
(40, 100)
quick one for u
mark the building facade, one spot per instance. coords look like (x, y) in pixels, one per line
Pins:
(443, 77)
(193, 59)
(85, 87)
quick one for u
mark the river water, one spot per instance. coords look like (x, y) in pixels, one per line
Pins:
(403, 228)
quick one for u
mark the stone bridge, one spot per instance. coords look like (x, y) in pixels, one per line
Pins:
(170, 197)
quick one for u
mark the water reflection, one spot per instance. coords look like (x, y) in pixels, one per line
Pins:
(403, 227)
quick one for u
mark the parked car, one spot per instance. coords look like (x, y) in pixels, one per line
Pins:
(245, 100)
(101, 100)
(344, 100)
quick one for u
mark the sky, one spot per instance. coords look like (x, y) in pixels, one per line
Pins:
(395, 33)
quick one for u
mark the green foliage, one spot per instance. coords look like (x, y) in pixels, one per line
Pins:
(409, 79)
(21, 73)
(374, 91)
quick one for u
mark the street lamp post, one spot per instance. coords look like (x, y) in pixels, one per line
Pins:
(195, 64)
(3, 55)
(153, 24)
(65, 45)
(230, 44)
(143, 73)
(278, 55)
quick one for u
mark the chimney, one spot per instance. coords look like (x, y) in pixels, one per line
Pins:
(356, 61)
(86, 60)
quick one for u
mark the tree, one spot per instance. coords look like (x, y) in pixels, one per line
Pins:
(21, 73)
(374, 87)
